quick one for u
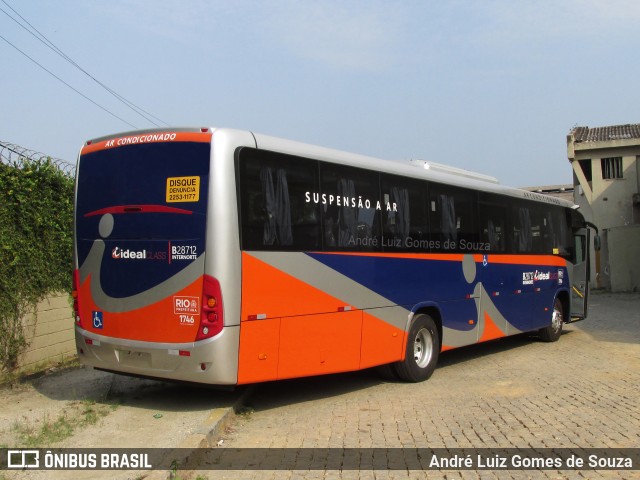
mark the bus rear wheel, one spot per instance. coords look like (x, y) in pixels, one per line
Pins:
(422, 350)
(554, 330)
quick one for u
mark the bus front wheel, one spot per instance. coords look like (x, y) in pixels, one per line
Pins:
(554, 330)
(422, 350)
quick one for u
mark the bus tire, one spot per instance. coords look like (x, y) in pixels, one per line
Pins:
(554, 330)
(422, 350)
(387, 372)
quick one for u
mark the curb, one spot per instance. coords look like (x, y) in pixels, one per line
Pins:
(206, 437)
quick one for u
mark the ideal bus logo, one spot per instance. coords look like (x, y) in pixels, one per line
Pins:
(119, 253)
(529, 278)
(124, 253)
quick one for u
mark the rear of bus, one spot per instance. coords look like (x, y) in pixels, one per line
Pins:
(144, 303)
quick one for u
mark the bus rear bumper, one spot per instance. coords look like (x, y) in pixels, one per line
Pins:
(213, 361)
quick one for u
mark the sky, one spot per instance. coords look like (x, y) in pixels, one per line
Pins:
(492, 86)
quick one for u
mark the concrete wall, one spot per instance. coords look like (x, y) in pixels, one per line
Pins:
(609, 204)
(49, 333)
(613, 204)
(624, 258)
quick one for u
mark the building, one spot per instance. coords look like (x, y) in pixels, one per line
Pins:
(606, 172)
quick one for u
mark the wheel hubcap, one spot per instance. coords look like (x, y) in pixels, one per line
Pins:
(422, 348)
(556, 319)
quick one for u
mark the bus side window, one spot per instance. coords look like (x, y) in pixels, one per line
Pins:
(492, 217)
(276, 195)
(404, 215)
(580, 249)
(276, 207)
(539, 240)
(350, 218)
(558, 232)
(522, 230)
(564, 232)
(451, 218)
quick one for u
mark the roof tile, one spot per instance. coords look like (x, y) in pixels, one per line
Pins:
(605, 134)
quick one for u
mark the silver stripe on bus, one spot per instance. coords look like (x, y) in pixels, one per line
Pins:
(312, 272)
(93, 264)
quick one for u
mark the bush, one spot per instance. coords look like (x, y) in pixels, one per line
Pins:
(36, 225)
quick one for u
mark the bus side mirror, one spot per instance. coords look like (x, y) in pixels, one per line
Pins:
(597, 242)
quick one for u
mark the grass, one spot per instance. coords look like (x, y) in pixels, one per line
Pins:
(174, 475)
(74, 417)
(8, 378)
(245, 411)
(49, 431)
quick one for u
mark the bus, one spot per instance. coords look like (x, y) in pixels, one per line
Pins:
(227, 257)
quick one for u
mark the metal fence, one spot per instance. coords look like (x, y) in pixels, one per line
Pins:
(12, 154)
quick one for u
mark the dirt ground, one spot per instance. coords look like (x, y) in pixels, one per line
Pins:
(81, 408)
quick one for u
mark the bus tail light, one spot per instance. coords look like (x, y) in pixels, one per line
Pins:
(75, 295)
(211, 318)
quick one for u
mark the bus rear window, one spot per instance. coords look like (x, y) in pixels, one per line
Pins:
(156, 191)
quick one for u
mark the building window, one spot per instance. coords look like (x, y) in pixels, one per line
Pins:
(611, 168)
(585, 165)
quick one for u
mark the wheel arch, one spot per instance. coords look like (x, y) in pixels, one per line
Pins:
(565, 300)
(428, 308)
(420, 351)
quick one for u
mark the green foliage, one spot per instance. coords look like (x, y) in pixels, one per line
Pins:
(46, 432)
(36, 228)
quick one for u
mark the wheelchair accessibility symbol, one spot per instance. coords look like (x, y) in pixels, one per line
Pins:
(97, 319)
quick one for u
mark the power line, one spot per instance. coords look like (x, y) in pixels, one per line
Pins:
(72, 88)
(44, 40)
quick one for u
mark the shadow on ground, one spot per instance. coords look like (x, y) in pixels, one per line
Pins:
(84, 383)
